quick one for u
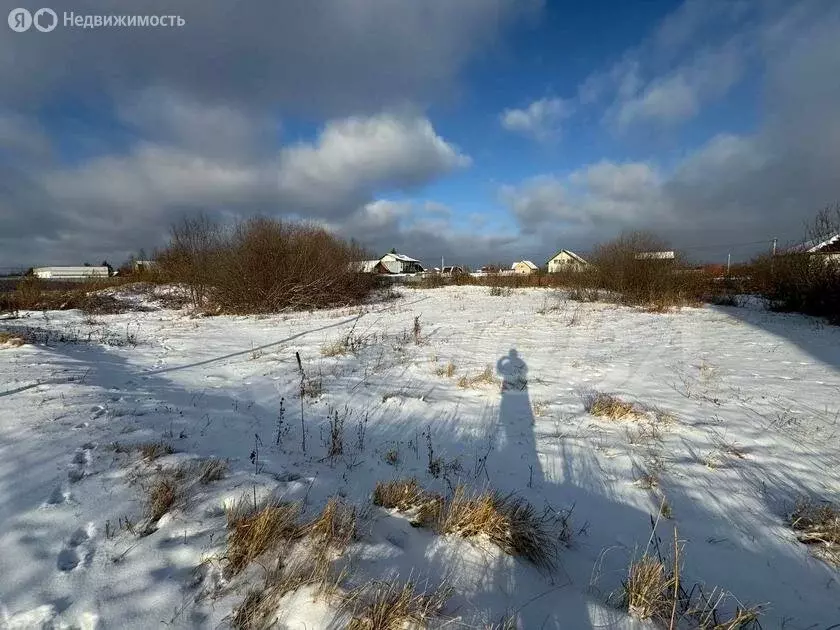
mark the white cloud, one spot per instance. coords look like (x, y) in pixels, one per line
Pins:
(606, 194)
(678, 96)
(355, 156)
(541, 119)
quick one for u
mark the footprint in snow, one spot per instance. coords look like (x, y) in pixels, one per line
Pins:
(78, 549)
(58, 496)
(80, 465)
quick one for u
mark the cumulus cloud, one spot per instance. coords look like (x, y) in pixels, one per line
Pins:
(135, 196)
(603, 197)
(541, 120)
(678, 96)
(355, 156)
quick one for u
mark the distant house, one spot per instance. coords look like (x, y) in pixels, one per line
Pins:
(400, 263)
(71, 274)
(566, 260)
(144, 265)
(389, 264)
(453, 270)
(668, 255)
(827, 249)
(524, 267)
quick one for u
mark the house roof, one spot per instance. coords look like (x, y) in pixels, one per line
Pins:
(527, 263)
(574, 256)
(816, 246)
(829, 243)
(402, 257)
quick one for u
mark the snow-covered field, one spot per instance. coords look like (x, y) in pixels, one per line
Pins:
(741, 416)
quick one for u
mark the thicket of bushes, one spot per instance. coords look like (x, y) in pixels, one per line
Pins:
(802, 282)
(262, 265)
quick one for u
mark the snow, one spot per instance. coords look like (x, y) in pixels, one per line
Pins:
(747, 405)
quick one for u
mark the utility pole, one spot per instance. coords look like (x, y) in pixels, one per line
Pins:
(728, 263)
(774, 246)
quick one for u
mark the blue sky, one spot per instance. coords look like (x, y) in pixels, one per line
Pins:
(483, 130)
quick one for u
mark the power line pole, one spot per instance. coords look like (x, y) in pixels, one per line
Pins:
(774, 246)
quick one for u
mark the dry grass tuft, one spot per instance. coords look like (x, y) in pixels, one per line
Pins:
(447, 370)
(484, 378)
(609, 406)
(394, 606)
(654, 591)
(11, 339)
(204, 471)
(818, 524)
(510, 522)
(335, 527)
(260, 606)
(254, 530)
(649, 589)
(540, 407)
(406, 495)
(153, 450)
(161, 496)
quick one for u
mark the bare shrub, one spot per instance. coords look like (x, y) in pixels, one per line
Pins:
(803, 282)
(584, 295)
(626, 267)
(263, 265)
(394, 606)
(253, 530)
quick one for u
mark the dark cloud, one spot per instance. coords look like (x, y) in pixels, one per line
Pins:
(331, 57)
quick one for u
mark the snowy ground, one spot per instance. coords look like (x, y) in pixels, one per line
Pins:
(743, 418)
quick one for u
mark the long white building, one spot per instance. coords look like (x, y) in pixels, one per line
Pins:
(71, 273)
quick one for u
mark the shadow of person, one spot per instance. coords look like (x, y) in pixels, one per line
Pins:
(515, 430)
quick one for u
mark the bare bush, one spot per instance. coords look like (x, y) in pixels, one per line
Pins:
(263, 265)
(803, 282)
(628, 267)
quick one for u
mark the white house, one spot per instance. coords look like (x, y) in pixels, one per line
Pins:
(400, 263)
(71, 273)
(389, 264)
(669, 255)
(144, 265)
(828, 249)
(524, 267)
(566, 260)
